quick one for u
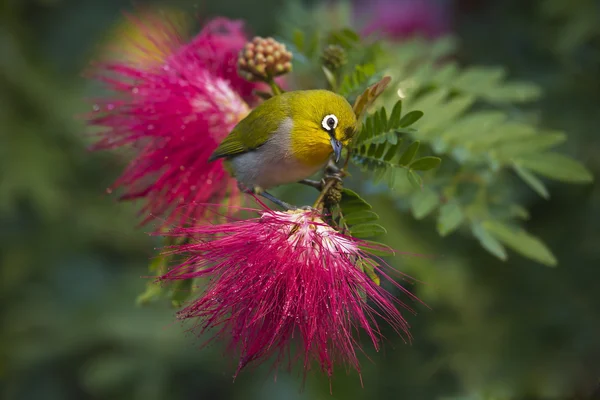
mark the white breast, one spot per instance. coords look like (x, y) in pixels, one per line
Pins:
(272, 164)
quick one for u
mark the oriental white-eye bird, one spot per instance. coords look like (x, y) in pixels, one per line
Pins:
(286, 139)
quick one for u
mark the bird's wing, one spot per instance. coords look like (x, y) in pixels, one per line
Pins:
(230, 146)
(251, 132)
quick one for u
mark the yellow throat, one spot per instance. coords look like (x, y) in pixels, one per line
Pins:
(309, 147)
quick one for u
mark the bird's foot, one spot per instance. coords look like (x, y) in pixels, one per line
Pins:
(335, 176)
(258, 191)
(332, 171)
(275, 200)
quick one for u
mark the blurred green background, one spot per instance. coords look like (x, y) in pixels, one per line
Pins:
(72, 258)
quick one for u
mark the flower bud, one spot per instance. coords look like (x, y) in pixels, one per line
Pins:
(262, 59)
(334, 57)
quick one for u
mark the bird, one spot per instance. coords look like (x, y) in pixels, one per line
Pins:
(286, 139)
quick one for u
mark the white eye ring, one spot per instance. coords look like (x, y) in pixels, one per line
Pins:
(326, 122)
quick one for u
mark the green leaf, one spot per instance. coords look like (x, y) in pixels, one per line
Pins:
(475, 126)
(371, 150)
(351, 35)
(410, 118)
(360, 217)
(153, 291)
(489, 242)
(377, 126)
(376, 248)
(368, 267)
(180, 292)
(445, 115)
(450, 218)
(425, 163)
(445, 74)
(518, 211)
(378, 174)
(367, 230)
(346, 38)
(351, 202)
(514, 92)
(383, 119)
(394, 120)
(415, 179)
(521, 241)
(392, 138)
(377, 129)
(532, 181)
(478, 78)
(355, 80)
(391, 177)
(392, 150)
(500, 131)
(528, 145)
(369, 163)
(158, 265)
(556, 166)
(431, 101)
(379, 152)
(424, 202)
(370, 271)
(409, 153)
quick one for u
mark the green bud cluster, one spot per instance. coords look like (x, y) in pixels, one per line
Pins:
(334, 195)
(334, 57)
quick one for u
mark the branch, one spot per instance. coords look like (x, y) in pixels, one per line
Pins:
(332, 175)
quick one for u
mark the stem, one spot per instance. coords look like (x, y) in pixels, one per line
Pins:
(345, 228)
(274, 86)
(319, 202)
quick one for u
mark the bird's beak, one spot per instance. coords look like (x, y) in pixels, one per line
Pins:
(337, 148)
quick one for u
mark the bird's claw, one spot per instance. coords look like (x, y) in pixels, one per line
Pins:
(333, 172)
(337, 177)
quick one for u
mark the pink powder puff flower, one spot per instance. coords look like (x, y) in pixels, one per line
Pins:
(173, 114)
(218, 46)
(284, 275)
(402, 19)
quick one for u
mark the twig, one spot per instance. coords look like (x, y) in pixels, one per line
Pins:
(319, 203)
(330, 180)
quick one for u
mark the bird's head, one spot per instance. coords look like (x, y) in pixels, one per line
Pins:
(323, 123)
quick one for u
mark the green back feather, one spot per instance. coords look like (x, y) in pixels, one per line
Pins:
(254, 130)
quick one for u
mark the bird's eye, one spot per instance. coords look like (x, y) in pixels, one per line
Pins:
(330, 122)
